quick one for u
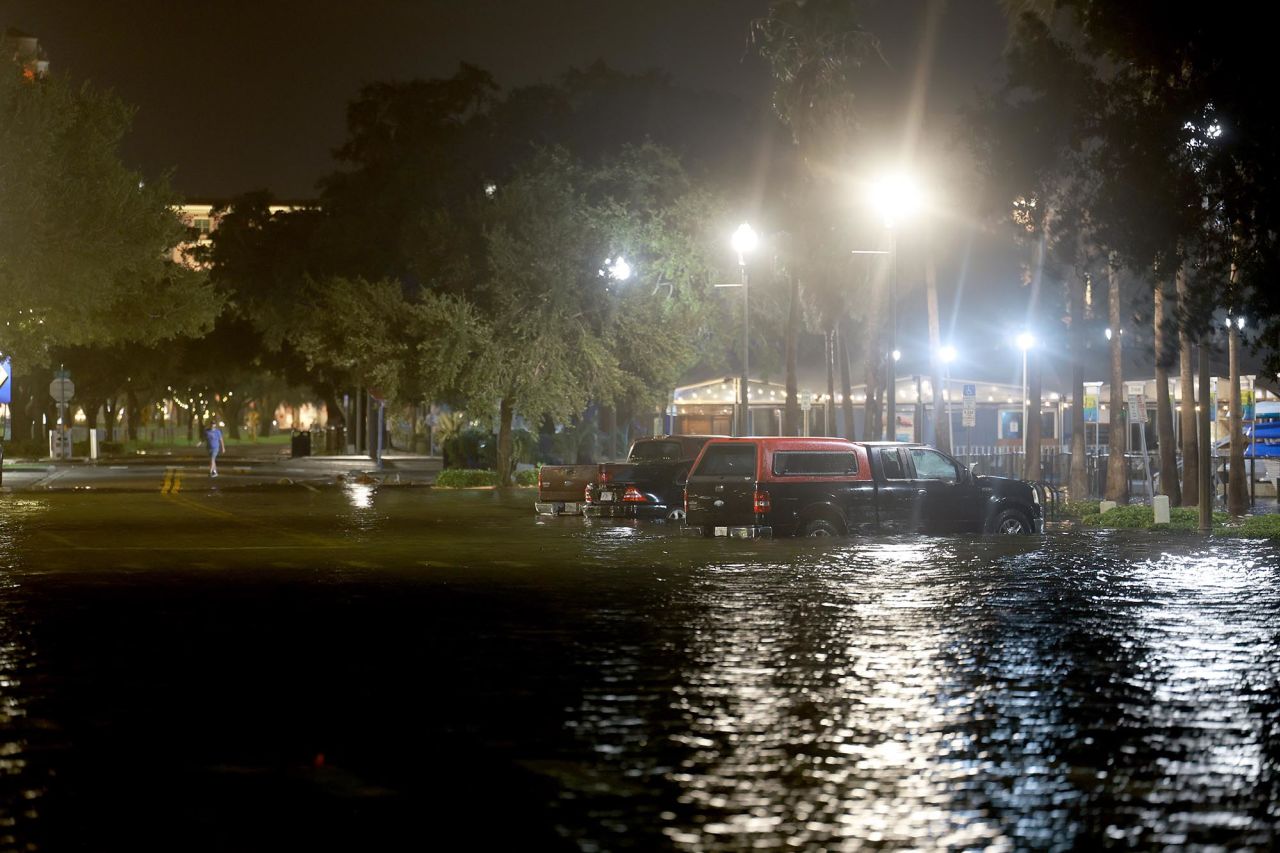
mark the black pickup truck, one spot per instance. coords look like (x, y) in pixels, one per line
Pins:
(649, 484)
(749, 487)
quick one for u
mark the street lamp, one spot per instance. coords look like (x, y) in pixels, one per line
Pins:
(894, 197)
(744, 242)
(1025, 341)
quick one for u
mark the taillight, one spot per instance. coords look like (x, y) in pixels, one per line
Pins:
(761, 501)
(632, 495)
(540, 467)
(686, 500)
(586, 494)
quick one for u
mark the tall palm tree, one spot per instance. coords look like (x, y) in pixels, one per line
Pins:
(814, 49)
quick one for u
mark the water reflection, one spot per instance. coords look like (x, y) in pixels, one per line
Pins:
(945, 693)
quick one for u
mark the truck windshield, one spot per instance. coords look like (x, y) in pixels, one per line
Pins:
(655, 451)
(727, 460)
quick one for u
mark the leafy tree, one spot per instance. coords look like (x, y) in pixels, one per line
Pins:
(85, 244)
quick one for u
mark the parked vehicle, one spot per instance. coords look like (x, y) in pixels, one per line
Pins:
(650, 484)
(748, 487)
(560, 488)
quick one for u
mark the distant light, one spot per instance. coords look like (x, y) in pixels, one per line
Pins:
(897, 355)
(490, 189)
(1025, 341)
(947, 354)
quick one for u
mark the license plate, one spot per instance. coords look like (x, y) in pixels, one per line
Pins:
(722, 531)
(606, 497)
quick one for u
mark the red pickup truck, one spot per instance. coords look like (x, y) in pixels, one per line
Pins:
(747, 487)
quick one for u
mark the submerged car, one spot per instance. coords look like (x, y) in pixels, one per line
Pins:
(748, 487)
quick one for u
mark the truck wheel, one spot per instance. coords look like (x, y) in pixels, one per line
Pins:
(819, 527)
(1011, 523)
(675, 515)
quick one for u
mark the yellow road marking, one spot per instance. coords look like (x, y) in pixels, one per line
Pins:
(168, 481)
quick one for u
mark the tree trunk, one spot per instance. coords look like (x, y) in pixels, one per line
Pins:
(506, 464)
(941, 423)
(1164, 406)
(830, 427)
(1238, 474)
(792, 414)
(1078, 481)
(1031, 467)
(133, 413)
(1187, 380)
(846, 388)
(1117, 466)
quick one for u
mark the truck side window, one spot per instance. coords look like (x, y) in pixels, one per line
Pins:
(932, 465)
(727, 460)
(891, 464)
(814, 463)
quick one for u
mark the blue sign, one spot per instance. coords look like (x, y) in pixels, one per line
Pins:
(6, 381)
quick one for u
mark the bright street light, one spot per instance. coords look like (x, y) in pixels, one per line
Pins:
(1025, 341)
(897, 355)
(619, 269)
(947, 354)
(895, 197)
(744, 242)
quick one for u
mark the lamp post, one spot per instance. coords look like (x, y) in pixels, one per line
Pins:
(1025, 342)
(946, 355)
(744, 242)
(894, 197)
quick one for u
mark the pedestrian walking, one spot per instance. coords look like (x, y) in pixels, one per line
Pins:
(213, 436)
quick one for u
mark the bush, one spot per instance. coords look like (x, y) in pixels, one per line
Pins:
(464, 478)
(1255, 527)
(1144, 518)
(1078, 510)
(527, 477)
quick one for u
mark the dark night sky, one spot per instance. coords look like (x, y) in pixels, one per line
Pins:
(246, 94)
(243, 94)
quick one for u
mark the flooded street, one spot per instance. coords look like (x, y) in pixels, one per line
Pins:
(419, 669)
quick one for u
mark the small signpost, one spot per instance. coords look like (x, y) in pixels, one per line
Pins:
(62, 390)
(6, 393)
(1137, 414)
(969, 406)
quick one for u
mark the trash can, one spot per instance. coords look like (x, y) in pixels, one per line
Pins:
(300, 444)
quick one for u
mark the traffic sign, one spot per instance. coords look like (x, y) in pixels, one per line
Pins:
(1137, 403)
(969, 411)
(6, 381)
(62, 390)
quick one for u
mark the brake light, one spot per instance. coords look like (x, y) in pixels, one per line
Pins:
(632, 495)
(686, 500)
(540, 478)
(761, 501)
(586, 494)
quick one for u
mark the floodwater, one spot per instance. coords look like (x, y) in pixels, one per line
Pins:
(412, 669)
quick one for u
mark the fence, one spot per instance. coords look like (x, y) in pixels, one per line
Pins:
(1055, 467)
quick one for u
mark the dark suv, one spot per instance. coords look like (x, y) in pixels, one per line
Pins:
(827, 486)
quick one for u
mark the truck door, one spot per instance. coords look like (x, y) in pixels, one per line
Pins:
(949, 500)
(896, 493)
(722, 487)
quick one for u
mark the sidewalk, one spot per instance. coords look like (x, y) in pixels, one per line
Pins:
(254, 469)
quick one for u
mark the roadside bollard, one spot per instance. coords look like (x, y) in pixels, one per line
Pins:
(1160, 503)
